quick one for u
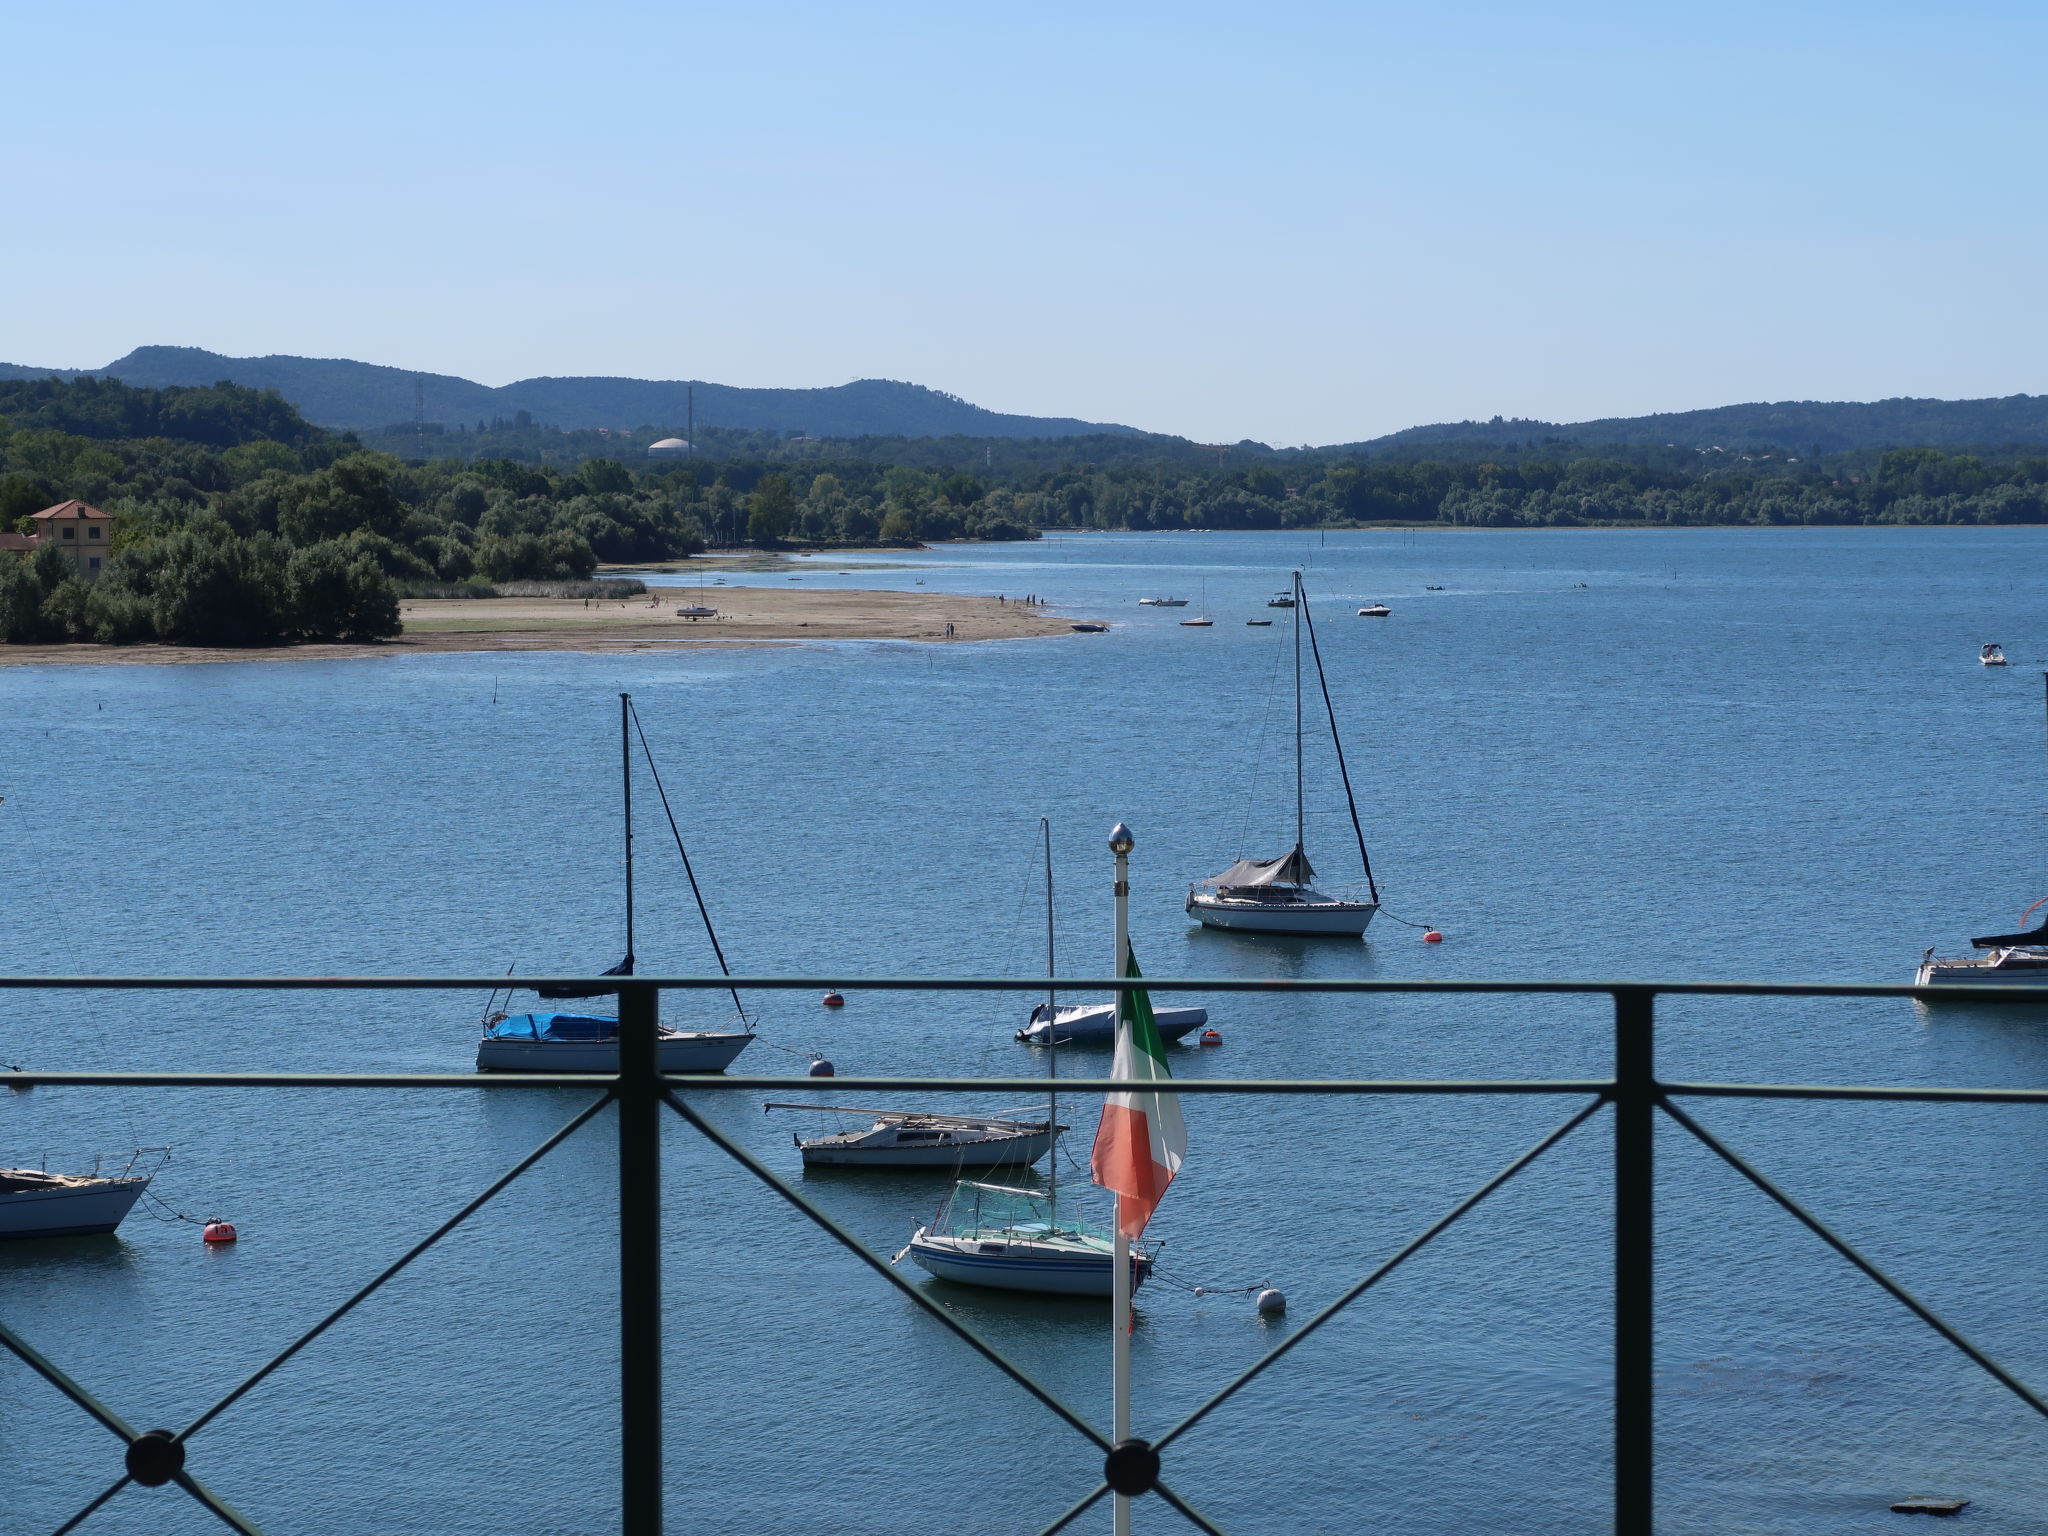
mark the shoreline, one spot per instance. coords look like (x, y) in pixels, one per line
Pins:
(648, 624)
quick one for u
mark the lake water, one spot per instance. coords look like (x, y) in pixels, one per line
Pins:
(1712, 754)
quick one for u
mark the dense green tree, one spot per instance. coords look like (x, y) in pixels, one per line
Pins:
(771, 510)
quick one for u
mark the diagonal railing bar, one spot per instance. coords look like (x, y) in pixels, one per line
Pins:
(391, 1270)
(87, 1513)
(36, 1361)
(1077, 1511)
(1414, 1246)
(859, 1250)
(1884, 1281)
(1188, 1511)
(225, 1512)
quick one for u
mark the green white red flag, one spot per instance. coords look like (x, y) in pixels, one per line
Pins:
(1142, 1139)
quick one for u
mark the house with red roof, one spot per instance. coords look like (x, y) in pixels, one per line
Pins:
(82, 532)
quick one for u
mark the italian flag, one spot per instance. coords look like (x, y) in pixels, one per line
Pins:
(1142, 1138)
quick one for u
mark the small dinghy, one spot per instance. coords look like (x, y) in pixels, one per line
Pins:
(1020, 1240)
(1095, 1024)
(1374, 611)
(1260, 623)
(1993, 656)
(36, 1203)
(1089, 629)
(905, 1138)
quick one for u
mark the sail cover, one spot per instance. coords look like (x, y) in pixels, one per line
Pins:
(623, 968)
(1289, 869)
(2001, 940)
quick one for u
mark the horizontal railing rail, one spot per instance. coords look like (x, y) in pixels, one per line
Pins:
(639, 1093)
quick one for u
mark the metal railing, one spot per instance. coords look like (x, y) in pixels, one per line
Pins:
(1637, 1095)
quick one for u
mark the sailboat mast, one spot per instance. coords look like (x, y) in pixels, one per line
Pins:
(1300, 815)
(1052, 1044)
(626, 780)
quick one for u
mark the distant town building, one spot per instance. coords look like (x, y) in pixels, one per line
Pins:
(81, 531)
(668, 448)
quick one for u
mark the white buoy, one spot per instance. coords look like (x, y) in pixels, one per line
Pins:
(1271, 1303)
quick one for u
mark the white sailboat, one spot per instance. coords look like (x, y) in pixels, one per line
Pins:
(1279, 896)
(589, 1042)
(912, 1139)
(37, 1203)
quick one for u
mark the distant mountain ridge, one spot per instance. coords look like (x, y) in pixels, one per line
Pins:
(1800, 426)
(343, 394)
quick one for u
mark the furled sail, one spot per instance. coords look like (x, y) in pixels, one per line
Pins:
(623, 968)
(2002, 940)
(1289, 869)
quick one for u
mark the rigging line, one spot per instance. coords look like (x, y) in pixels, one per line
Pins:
(1266, 693)
(1343, 772)
(677, 832)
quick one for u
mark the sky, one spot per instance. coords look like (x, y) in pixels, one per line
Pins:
(1295, 222)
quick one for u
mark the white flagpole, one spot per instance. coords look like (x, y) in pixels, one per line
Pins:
(1120, 843)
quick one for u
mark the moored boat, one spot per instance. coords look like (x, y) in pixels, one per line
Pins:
(1374, 611)
(1019, 1240)
(1280, 896)
(1095, 1024)
(1993, 656)
(37, 1203)
(914, 1139)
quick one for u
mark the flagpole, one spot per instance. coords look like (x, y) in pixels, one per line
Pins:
(1120, 844)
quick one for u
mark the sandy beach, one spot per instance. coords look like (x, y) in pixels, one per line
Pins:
(745, 616)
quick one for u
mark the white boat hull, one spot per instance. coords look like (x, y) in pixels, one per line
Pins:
(1096, 1025)
(1341, 919)
(1021, 1266)
(683, 1051)
(69, 1211)
(989, 1152)
(2001, 968)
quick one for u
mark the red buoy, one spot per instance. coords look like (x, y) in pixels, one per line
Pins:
(1210, 1037)
(217, 1232)
(1432, 937)
(833, 1000)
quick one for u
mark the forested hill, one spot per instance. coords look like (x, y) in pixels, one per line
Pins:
(340, 393)
(1800, 426)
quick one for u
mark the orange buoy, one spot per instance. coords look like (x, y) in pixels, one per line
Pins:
(1210, 1037)
(218, 1232)
(833, 1000)
(1432, 937)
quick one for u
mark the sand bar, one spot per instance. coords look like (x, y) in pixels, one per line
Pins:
(745, 616)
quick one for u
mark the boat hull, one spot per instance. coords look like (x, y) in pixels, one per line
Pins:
(69, 1212)
(1950, 973)
(1022, 1266)
(995, 1152)
(1097, 1025)
(681, 1052)
(1307, 919)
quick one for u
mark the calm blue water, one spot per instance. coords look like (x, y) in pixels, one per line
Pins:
(1711, 754)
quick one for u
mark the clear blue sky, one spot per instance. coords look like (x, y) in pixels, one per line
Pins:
(1294, 221)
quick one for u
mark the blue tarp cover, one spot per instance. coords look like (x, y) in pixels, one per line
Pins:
(553, 1026)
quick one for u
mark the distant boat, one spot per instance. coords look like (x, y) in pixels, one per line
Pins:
(1374, 611)
(1432, 589)
(1202, 621)
(1095, 1024)
(1260, 623)
(1162, 602)
(589, 1042)
(1281, 600)
(913, 1139)
(36, 1203)
(1089, 629)
(1993, 656)
(1279, 895)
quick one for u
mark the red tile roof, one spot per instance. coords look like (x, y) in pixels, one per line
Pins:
(18, 541)
(72, 509)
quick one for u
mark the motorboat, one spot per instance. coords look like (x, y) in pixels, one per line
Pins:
(1089, 629)
(589, 1042)
(1019, 1240)
(1374, 611)
(900, 1138)
(1993, 656)
(1260, 623)
(1162, 602)
(1280, 895)
(1095, 1024)
(1280, 600)
(37, 1203)
(582, 1042)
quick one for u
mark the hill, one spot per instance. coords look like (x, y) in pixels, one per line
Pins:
(343, 394)
(1802, 426)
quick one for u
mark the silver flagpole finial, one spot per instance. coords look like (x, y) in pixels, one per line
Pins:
(1120, 839)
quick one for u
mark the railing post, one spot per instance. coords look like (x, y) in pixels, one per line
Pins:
(639, 1112)
(1635, 1104)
